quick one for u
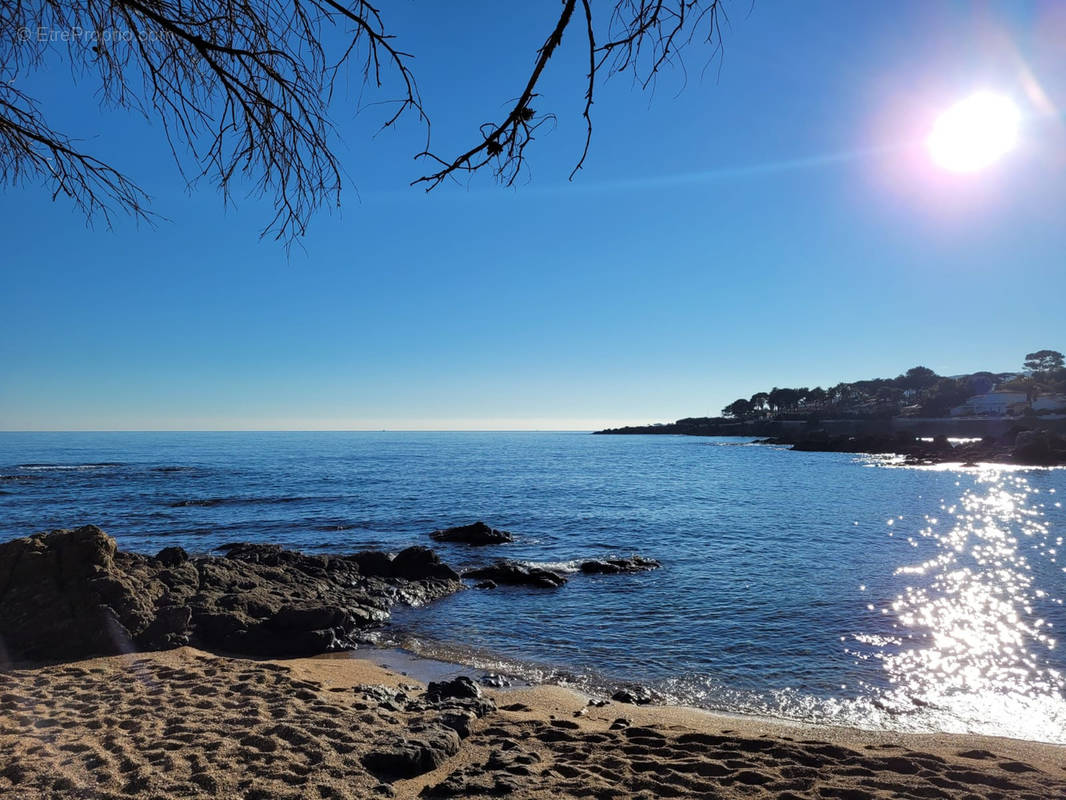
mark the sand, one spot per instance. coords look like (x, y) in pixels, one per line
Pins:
(185, 723)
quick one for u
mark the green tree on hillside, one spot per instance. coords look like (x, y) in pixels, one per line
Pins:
(738, 409)
(1043, 362)
(917, 378)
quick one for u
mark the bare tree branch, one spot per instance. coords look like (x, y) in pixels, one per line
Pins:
(643, 37)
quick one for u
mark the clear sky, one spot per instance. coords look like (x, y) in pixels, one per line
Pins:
(777, 222)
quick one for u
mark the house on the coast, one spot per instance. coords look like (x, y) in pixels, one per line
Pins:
(1050, 402)
(994, 404)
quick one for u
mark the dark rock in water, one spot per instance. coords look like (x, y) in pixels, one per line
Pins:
(511, 573)
(613, 566)
(172, 556)
(410, 756)
(634, 695)
(494, 681)
(420, 563)
(485, 585)
(373, 562)
(1038, 447)
(461, 687)
(478, 534)
(71, 594)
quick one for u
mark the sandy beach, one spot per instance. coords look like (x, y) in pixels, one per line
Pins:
(186, 723)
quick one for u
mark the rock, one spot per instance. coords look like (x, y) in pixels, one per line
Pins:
(63, 595)
(459, 721)
(373, 562)
(485, 585)
(410, 756)
(72, 594)
(421, 563)
(1032, 447)
(634, 695)
(612, 566)
(478, 534)
(172, 556)
(620, 724)
(494, 681)
(512, 573)
(461, 688)
(308, 618)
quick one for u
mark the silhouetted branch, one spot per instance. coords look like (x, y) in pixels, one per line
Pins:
(643, 36)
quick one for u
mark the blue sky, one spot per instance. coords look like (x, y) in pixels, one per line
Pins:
(774, 223)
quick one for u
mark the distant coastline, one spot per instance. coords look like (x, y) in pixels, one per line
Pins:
(1015, 417)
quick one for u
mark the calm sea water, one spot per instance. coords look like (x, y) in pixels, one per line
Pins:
(817, 586)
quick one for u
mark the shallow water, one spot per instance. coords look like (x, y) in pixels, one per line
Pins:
(817, 586)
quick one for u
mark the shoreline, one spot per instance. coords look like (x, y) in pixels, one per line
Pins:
(186, 722)
(1018, 446)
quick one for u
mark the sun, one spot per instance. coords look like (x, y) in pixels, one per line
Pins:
(974, 133)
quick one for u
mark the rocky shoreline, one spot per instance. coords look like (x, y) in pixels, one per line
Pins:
(1033, 448)
(71, 594)
(1019, 446)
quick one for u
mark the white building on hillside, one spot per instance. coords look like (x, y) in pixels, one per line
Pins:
(992, 404)
(1050, 402)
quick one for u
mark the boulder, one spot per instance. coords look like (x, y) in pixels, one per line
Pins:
(62, 595)
(634, 695)
(410, 756)
(512, 573)
(172, 556)
(613, 566)
(420, 563)
(478, 534)
(461, 688)
(1032, 447)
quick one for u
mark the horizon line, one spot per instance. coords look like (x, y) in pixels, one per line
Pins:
(296, 430)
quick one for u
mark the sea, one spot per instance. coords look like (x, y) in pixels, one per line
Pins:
(822, 587)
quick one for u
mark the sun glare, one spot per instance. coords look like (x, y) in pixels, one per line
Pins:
(974, 133)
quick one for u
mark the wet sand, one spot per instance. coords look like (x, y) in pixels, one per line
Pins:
(184, 723)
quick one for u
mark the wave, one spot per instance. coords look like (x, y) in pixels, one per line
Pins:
(574, 565)
(209, 502)
(70, 467)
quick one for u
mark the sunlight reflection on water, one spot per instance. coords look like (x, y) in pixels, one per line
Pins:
(968, 645)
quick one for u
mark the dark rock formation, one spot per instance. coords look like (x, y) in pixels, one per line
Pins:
(1023, 447)
(454, 707)
(461, 688)
(511, 573)
(634, 695)
(612, 566)
(71, 594)
(412, 755)
(478, 534)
